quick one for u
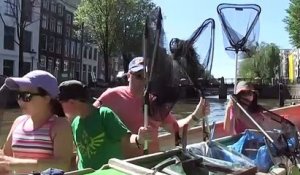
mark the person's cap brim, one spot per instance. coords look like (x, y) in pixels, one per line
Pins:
(137, 68)
(16, 83)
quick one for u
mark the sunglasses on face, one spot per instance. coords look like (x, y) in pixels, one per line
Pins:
(246, 93)
(139, 76)
(27, 96)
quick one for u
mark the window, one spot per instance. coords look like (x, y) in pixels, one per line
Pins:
(67, 48)
(57, 67)
(59, 27)
(9, 38)
(69, 19)
(85, 51)
(90, 74)
(72, 70)
(43, 62)
(8, 68)
(44, 21)
(78, 51)
(28, 5)
(50, 65)
(73, 47)
(84, 73)
(95, 69)
(95, 54)
(68, 31)
(60, 10)
(11, 8)
(52, 24)
(66, 65)
(90, 52)
(43, 43)
(27, 41)
(53, 7)
(77, 71)
(51, 44)
(58, 46)
(45, 4)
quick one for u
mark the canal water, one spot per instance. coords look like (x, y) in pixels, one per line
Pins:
(181, 109)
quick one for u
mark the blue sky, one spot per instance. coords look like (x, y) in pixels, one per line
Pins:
(182, 17)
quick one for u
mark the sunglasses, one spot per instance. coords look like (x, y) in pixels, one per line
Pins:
(27, 96)
(139, 76)
(246, 93)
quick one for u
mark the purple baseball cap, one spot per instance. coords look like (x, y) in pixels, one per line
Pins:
(136, 64)
(35, 79)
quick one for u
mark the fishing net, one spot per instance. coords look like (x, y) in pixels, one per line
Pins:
(195, 55)
(163, 75)
(195, 58)
(206, 158)
(240, 23)
(280, 135)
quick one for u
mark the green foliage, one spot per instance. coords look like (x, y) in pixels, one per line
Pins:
(293, 22)
(116, 25)
(264, 63)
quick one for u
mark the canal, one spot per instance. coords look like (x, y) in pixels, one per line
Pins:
(181, 109)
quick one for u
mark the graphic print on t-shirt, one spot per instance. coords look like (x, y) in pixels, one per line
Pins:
(89, 145)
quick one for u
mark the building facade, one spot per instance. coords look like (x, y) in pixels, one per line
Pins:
(10, 11)
(52, 41)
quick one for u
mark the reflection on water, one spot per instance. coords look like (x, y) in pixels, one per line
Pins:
(218, 106)
(181, 109)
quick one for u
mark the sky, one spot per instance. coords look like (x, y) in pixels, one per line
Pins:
(182, 17)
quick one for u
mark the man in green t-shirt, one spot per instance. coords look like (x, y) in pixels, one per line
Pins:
(98, 133)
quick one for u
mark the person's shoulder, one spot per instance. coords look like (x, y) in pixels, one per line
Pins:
(117, 89)
(20, 119)
(61, 122)
(104, 109)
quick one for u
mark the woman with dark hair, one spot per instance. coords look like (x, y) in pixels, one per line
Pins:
(39, 139)
(235, 120)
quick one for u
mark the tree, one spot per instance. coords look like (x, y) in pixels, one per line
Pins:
(293, 22)
(264, 63)
(22, 12)
(116, 25)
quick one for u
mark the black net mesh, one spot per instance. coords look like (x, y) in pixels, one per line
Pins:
(283, 134)
(240, 23)
(162, 73)
(195, 55)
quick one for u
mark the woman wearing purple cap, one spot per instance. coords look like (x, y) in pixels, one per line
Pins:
(38, 139)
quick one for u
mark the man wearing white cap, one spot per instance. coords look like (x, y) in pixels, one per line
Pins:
(127, 103)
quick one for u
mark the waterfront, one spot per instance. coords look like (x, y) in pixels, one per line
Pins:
(181, 109)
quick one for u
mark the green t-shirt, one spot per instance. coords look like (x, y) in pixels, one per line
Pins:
(98, 138)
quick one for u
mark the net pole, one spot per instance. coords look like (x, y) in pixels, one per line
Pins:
(146, 94)
(236, 70)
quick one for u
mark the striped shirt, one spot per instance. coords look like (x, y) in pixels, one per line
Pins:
(35, 144)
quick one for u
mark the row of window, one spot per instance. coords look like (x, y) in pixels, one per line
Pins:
(91, 70)
(52, 44)
(12, 8)
(9, 39)
(55, 25)
(54, 66)
(53, 7)
(88, 53)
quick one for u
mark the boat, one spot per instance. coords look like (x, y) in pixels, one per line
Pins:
(291, 113)
(144, 164)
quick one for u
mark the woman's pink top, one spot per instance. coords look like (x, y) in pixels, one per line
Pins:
(35, 144)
